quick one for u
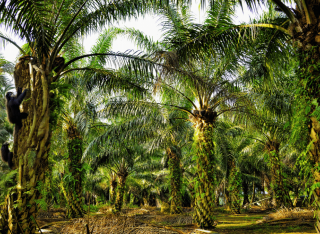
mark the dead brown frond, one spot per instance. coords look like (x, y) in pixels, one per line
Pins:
(114, 224)
(292, 214)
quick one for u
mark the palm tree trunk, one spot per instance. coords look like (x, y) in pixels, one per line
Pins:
(230, 166)
(245, 189)
(234, 188)
(217, 196)
(145, 198)
(280, 189)
(75, 143)
(72, 207)
(192, 193)
(253, 192)
(227, 200)
(132, 199)
(126, 196)
(306, 38)
(174, 155)
(113, 188)
(204, 187)
(122, 177)
(30, 149)
(268, 184)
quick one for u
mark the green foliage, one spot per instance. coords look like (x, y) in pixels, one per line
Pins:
(306, 168)
(60, 94)
(123, 118)
(93, 208)
(43, 189)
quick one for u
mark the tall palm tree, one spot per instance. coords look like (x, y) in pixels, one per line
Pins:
(48, 28)
(208, 89)
(299, 27)
(214, 94)
(75, 149)
(78, 114)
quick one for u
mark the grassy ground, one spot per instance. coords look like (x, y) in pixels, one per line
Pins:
(246, 223)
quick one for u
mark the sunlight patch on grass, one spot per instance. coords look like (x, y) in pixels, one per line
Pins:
(233, 225)
(235, 221)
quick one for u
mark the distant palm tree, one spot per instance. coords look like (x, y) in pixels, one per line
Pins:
(272, 92)
(122, 159)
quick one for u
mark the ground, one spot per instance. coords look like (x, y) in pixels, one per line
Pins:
(150, 220)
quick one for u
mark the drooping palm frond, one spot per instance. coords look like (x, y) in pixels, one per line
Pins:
(219, 35)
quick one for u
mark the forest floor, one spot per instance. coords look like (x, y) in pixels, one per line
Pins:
(152, 221)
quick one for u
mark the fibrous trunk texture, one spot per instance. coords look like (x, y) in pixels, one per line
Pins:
(279, 186)
(132, 199)
(227, 200)
(74, 208)
(30, 149)
(306, 38)
(174, 155)
(245, 189)
(268, 184)
(205, 181)
(227, 195)
(145, 198)
(126, 196)
(113, 189)
(234, 187)
(122, 177)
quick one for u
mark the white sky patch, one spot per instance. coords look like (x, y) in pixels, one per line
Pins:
(149, 24)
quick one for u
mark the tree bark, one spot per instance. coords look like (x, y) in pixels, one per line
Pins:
(227, 200)
(253, 192)
(145, 198)
(30, 149)
(234, 187)
(245, 189)
(205, 181)
(113, 188)
(174, 154)
(132, 199)
(126, 196)
(268, 184)
(75, 143)
(122, 177)
(306, 38)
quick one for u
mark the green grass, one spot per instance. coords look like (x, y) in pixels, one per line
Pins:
(246, 224)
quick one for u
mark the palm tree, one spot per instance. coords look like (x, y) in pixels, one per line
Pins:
(113, 187)
(274, 101)
(213, 93)
(174, 155)
(78, 116)
(208, 89)
(48, 28)
(298, 26)
(75, 148)
(122, 157)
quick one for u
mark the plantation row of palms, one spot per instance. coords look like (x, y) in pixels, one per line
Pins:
(213, 110)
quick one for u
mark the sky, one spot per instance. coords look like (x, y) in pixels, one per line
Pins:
(149, 24)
